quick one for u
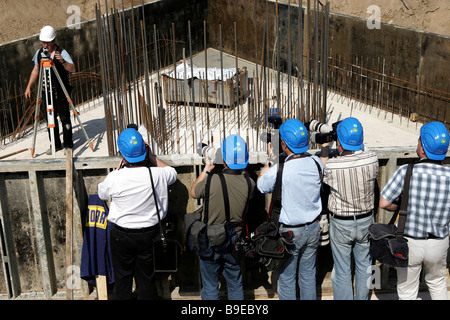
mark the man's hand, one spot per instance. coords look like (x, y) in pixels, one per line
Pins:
(324, 152)
(27, 93)
(209, 165)
(67, 65)
(33, 78)
(121, 163)
(59, 57)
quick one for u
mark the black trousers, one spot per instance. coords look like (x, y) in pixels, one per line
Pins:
(132, 257)
(62, 110)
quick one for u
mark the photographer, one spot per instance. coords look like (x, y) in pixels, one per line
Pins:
(133, 214)
(427, 224)
(300, 209)
(64, 65)
(351, 176)
(222, 261)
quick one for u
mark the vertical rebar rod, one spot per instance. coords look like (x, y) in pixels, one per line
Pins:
(208, 125)
(221, 83)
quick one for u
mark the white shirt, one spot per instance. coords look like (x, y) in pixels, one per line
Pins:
(132, 202)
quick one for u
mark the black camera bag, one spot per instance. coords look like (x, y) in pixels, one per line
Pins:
(387, 244)
(271, 247)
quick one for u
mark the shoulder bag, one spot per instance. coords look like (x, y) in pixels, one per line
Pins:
(165, 251)
(387, 244)
(269, 245)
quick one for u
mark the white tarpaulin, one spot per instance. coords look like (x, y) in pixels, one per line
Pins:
(183, 71)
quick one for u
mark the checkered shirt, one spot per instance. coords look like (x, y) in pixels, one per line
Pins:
(429, 199)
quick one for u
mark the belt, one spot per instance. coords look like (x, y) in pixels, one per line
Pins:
(300, 225)
(139, 230)
(359, 216)
(430, 236)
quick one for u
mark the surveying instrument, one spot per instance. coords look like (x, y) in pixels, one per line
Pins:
(45, 84)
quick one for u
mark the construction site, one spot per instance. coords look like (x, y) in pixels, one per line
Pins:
(192, 73)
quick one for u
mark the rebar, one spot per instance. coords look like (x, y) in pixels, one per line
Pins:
(130, 62)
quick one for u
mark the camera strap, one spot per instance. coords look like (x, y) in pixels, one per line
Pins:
(346, 153)
(275, 207)
(226, 200)
(206, 197)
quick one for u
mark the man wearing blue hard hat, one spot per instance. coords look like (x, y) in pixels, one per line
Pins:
(427, 222)
(351, 176)
(225, 197)
(300, 209)
(134, 215)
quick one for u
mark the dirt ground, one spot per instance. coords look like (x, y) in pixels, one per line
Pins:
(26, 17)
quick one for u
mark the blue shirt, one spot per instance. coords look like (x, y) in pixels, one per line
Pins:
(300, 197)
(96, 252)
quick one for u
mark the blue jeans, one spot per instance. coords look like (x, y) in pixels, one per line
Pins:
(347, 236)
(222, 262)
(303, 259)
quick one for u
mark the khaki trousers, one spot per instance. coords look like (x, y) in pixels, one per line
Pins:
(432, 255)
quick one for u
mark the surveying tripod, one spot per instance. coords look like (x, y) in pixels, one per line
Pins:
(45, 68)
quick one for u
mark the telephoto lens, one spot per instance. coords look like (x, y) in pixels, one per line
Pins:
(315, 125)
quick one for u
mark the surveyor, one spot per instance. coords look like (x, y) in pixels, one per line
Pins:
(233, 180)
(427, 222)
(300, 209)
(351, 176)
(134, 215)
(64, 65)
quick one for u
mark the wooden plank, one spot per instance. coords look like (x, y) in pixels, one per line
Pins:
(69, 222)
(43, 239)
(102, 288)
(9, 259)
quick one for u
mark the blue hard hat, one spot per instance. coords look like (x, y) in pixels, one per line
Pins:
(234, 152)
(295, 135)
(435, 138)
(350, 134)
(131, 145)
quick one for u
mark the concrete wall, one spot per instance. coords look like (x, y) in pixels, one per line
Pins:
(32, 213)
(412, 55)
(15, 57)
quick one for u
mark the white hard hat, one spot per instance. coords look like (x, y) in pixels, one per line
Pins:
(47, 34)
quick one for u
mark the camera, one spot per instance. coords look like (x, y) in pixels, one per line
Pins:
(244, 247)
(267, 136)
(276, 121)
(322, 133)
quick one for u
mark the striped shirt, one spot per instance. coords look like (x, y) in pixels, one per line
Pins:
(429, 199)
(352, 183)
